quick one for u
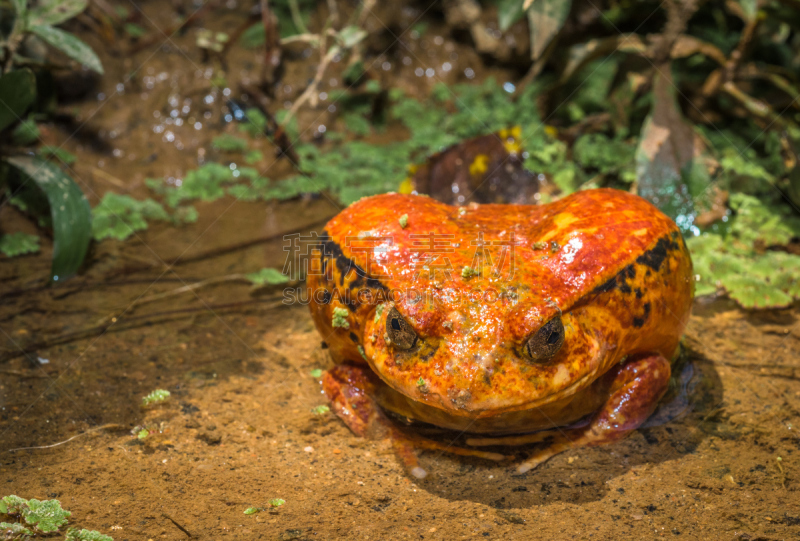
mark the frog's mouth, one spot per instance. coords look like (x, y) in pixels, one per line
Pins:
(566, 407)
(490, 381)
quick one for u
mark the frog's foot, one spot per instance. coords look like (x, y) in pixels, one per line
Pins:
(634, 391)
(349, 388)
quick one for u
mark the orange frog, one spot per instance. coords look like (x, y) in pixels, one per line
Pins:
(517, 324)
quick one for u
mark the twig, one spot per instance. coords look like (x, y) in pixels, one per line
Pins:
(111, 179)
(133, 322)
(188, 288)
(175, 522)
(272, 58)
(103, 427)
(333, 12)
(312, 88)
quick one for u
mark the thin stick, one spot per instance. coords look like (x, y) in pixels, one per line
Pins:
(310, 89)
(104, 427)
(133, 322)
(175, 522)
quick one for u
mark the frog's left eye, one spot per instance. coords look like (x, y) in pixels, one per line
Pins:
(400, 332)
(547, 341)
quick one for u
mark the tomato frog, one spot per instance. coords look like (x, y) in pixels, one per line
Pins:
(515, 324)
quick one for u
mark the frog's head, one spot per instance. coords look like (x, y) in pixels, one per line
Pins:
(589, 280)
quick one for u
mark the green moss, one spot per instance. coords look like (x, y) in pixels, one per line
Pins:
(737, 263)
(340, 318)
(267, 276)
(15, 244)
(159, 395)
(229, 143)
(120, 216)
(320, 410)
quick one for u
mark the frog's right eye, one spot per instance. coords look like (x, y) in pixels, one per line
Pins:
(400, 332)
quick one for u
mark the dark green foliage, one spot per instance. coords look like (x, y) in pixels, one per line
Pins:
(70, 214)
(17, 93)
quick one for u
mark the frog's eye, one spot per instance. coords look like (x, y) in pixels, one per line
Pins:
(543, 345)
(400, 332)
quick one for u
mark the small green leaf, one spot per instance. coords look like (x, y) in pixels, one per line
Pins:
(350, 36)
(86, 535)
(320, 410)
(13, 505)
(159, 395)
(276, 502)
(20, 7)
(17, 93)
(53, 152)
(14, 531)
(14, 244)
(316, 373)
(119, 216)
(749, 7)
(134, 30)
(52, 12)
(252, 510)
(70, 46)
(403, 221)
(229, 143)
(545, 18)
(267, 277)
(26, 133)
(253, 37)
(469, 272)
(508, 12)
(143, 433)
(69, 210)
(253, 156)
(45, 516)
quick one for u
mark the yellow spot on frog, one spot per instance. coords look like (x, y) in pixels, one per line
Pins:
(479, 165)
(564, 220)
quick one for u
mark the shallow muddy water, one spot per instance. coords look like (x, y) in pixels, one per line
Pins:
(720, 459)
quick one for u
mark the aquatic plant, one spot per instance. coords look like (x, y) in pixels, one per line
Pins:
(267, 276)
(745, 261)
(271, 504)
(14, 244)
(43, 518)
(159, 395)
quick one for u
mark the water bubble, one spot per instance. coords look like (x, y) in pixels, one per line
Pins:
(419, 72)
(447, 66)
(430, 72)
(469, 72)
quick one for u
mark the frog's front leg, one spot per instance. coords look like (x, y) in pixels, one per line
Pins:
(633, 388)
(350, 389)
